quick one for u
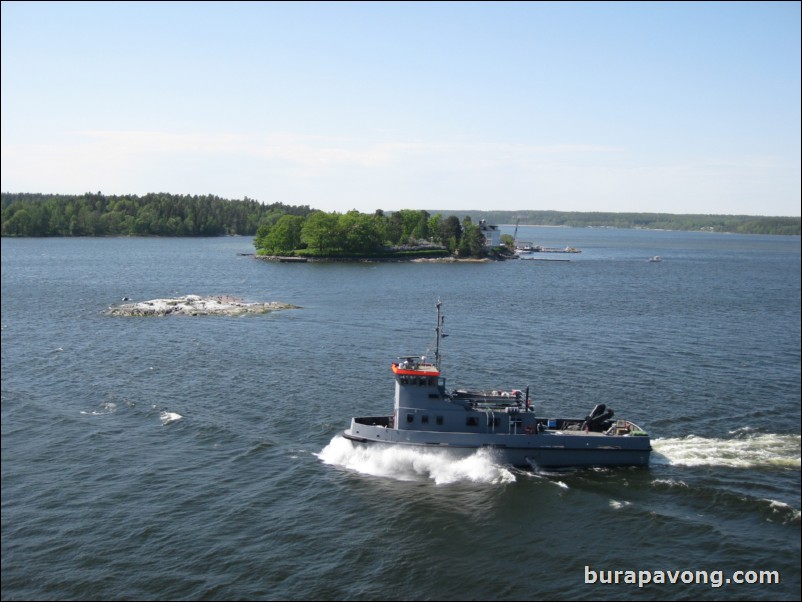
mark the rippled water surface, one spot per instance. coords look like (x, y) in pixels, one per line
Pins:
(201, 458)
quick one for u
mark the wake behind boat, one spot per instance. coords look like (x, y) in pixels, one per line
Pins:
(427, 415)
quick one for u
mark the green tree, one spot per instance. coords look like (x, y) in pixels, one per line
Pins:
(414, 225)
(18, 224)
(261, 235)
(394, 229)
(359, 232)
(284, 237)
(451, 232)
(472, 243)
(434, 226)
(320, 231)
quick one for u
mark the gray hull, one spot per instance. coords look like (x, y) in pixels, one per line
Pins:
(548, 449)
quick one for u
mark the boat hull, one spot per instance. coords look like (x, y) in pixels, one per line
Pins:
(548, 449)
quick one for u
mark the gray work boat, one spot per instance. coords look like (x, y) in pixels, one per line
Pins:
(428, 416)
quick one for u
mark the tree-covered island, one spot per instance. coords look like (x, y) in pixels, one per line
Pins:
(404, 234)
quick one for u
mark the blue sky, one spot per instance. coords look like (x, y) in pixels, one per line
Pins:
(680, 107)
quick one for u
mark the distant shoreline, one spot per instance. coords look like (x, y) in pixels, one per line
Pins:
(38, 215)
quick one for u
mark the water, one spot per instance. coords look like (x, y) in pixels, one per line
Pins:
(200, 458)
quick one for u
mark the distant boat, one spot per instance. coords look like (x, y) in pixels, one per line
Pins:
(655, 259)
(526, 247)
(522, 248)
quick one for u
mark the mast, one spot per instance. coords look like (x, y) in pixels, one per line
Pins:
(438, 333)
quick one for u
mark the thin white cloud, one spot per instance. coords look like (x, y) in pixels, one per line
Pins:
(114, 155)
(316, 150)
(340, 173)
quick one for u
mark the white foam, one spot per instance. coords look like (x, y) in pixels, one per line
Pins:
(784, 510)
(413, 464)
(107, 408)
(547, 477)
(168, 417)
(741, 452)
(671, 483)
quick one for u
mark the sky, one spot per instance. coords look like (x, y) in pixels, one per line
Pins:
(671, 107)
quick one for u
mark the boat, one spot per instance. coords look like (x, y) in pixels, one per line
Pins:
(655, 259)
(526, 247)
(426, 415)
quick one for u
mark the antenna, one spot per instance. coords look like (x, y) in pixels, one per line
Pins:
(438, 329)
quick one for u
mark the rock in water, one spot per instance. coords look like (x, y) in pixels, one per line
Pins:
(195, 305)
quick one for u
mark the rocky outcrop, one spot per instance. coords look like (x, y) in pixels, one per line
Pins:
(195, 305)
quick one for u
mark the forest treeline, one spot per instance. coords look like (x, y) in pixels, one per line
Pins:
(154, 214)
(163, 214)
(739, 224)
(278, 228)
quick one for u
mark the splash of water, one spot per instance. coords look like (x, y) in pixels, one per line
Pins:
(168, 417)
(750, 451)
(413, 464)
(106, 408)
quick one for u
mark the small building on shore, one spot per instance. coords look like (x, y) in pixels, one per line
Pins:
(491, 233)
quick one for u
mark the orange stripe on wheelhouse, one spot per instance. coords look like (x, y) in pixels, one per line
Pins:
(420, 370)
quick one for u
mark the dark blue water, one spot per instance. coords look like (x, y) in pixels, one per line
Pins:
(200, 458)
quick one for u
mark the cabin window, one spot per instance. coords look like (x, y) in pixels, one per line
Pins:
(424, 419)
(410, 418)
(472, 421)
(438, 420)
